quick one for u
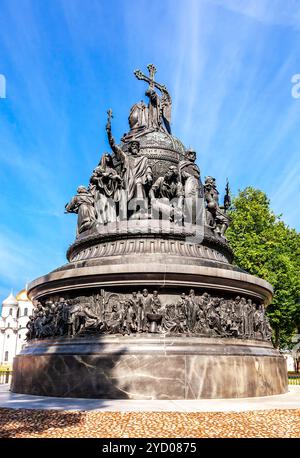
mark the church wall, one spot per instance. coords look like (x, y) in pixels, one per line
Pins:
(13, 330)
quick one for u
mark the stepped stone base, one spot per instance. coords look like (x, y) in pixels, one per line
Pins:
(149, 367)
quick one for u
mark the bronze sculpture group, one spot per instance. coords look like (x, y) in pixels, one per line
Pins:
(131, 193)
(123, 186)
(142, 312)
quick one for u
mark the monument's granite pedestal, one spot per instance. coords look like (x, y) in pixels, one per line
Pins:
(149, 305)
(150, 368)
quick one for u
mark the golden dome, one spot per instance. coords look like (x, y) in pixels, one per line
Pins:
(22, 295)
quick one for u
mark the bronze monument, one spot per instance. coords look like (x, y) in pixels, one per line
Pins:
(149, 305)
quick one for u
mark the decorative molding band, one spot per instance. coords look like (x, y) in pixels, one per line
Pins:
(149, 237)
(147, 246)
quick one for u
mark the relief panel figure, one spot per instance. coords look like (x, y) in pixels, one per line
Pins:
(128, 317)
(193, 310)
(145, 301)
(114, 321)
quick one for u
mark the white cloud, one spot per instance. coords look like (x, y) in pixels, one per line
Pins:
(274, 12)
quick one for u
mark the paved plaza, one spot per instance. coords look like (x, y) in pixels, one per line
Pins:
(290, 400)
(24, 416)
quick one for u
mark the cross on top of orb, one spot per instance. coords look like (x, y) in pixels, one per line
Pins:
(150, 79)
(152, 71)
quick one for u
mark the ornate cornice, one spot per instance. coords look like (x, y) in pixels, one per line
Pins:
(143, 237)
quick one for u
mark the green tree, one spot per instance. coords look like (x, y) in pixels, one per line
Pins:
(264, 246)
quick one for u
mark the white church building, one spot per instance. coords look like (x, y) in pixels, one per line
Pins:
(14, 317)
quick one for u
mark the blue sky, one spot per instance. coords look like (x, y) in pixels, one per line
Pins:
(228, 66)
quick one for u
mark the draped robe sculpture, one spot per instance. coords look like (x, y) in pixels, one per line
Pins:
(137, 172)
(107, 187)
(82, 204)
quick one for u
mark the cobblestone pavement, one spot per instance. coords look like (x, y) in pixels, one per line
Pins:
(74, 424)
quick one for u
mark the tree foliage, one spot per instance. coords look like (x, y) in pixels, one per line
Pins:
(266, 247)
